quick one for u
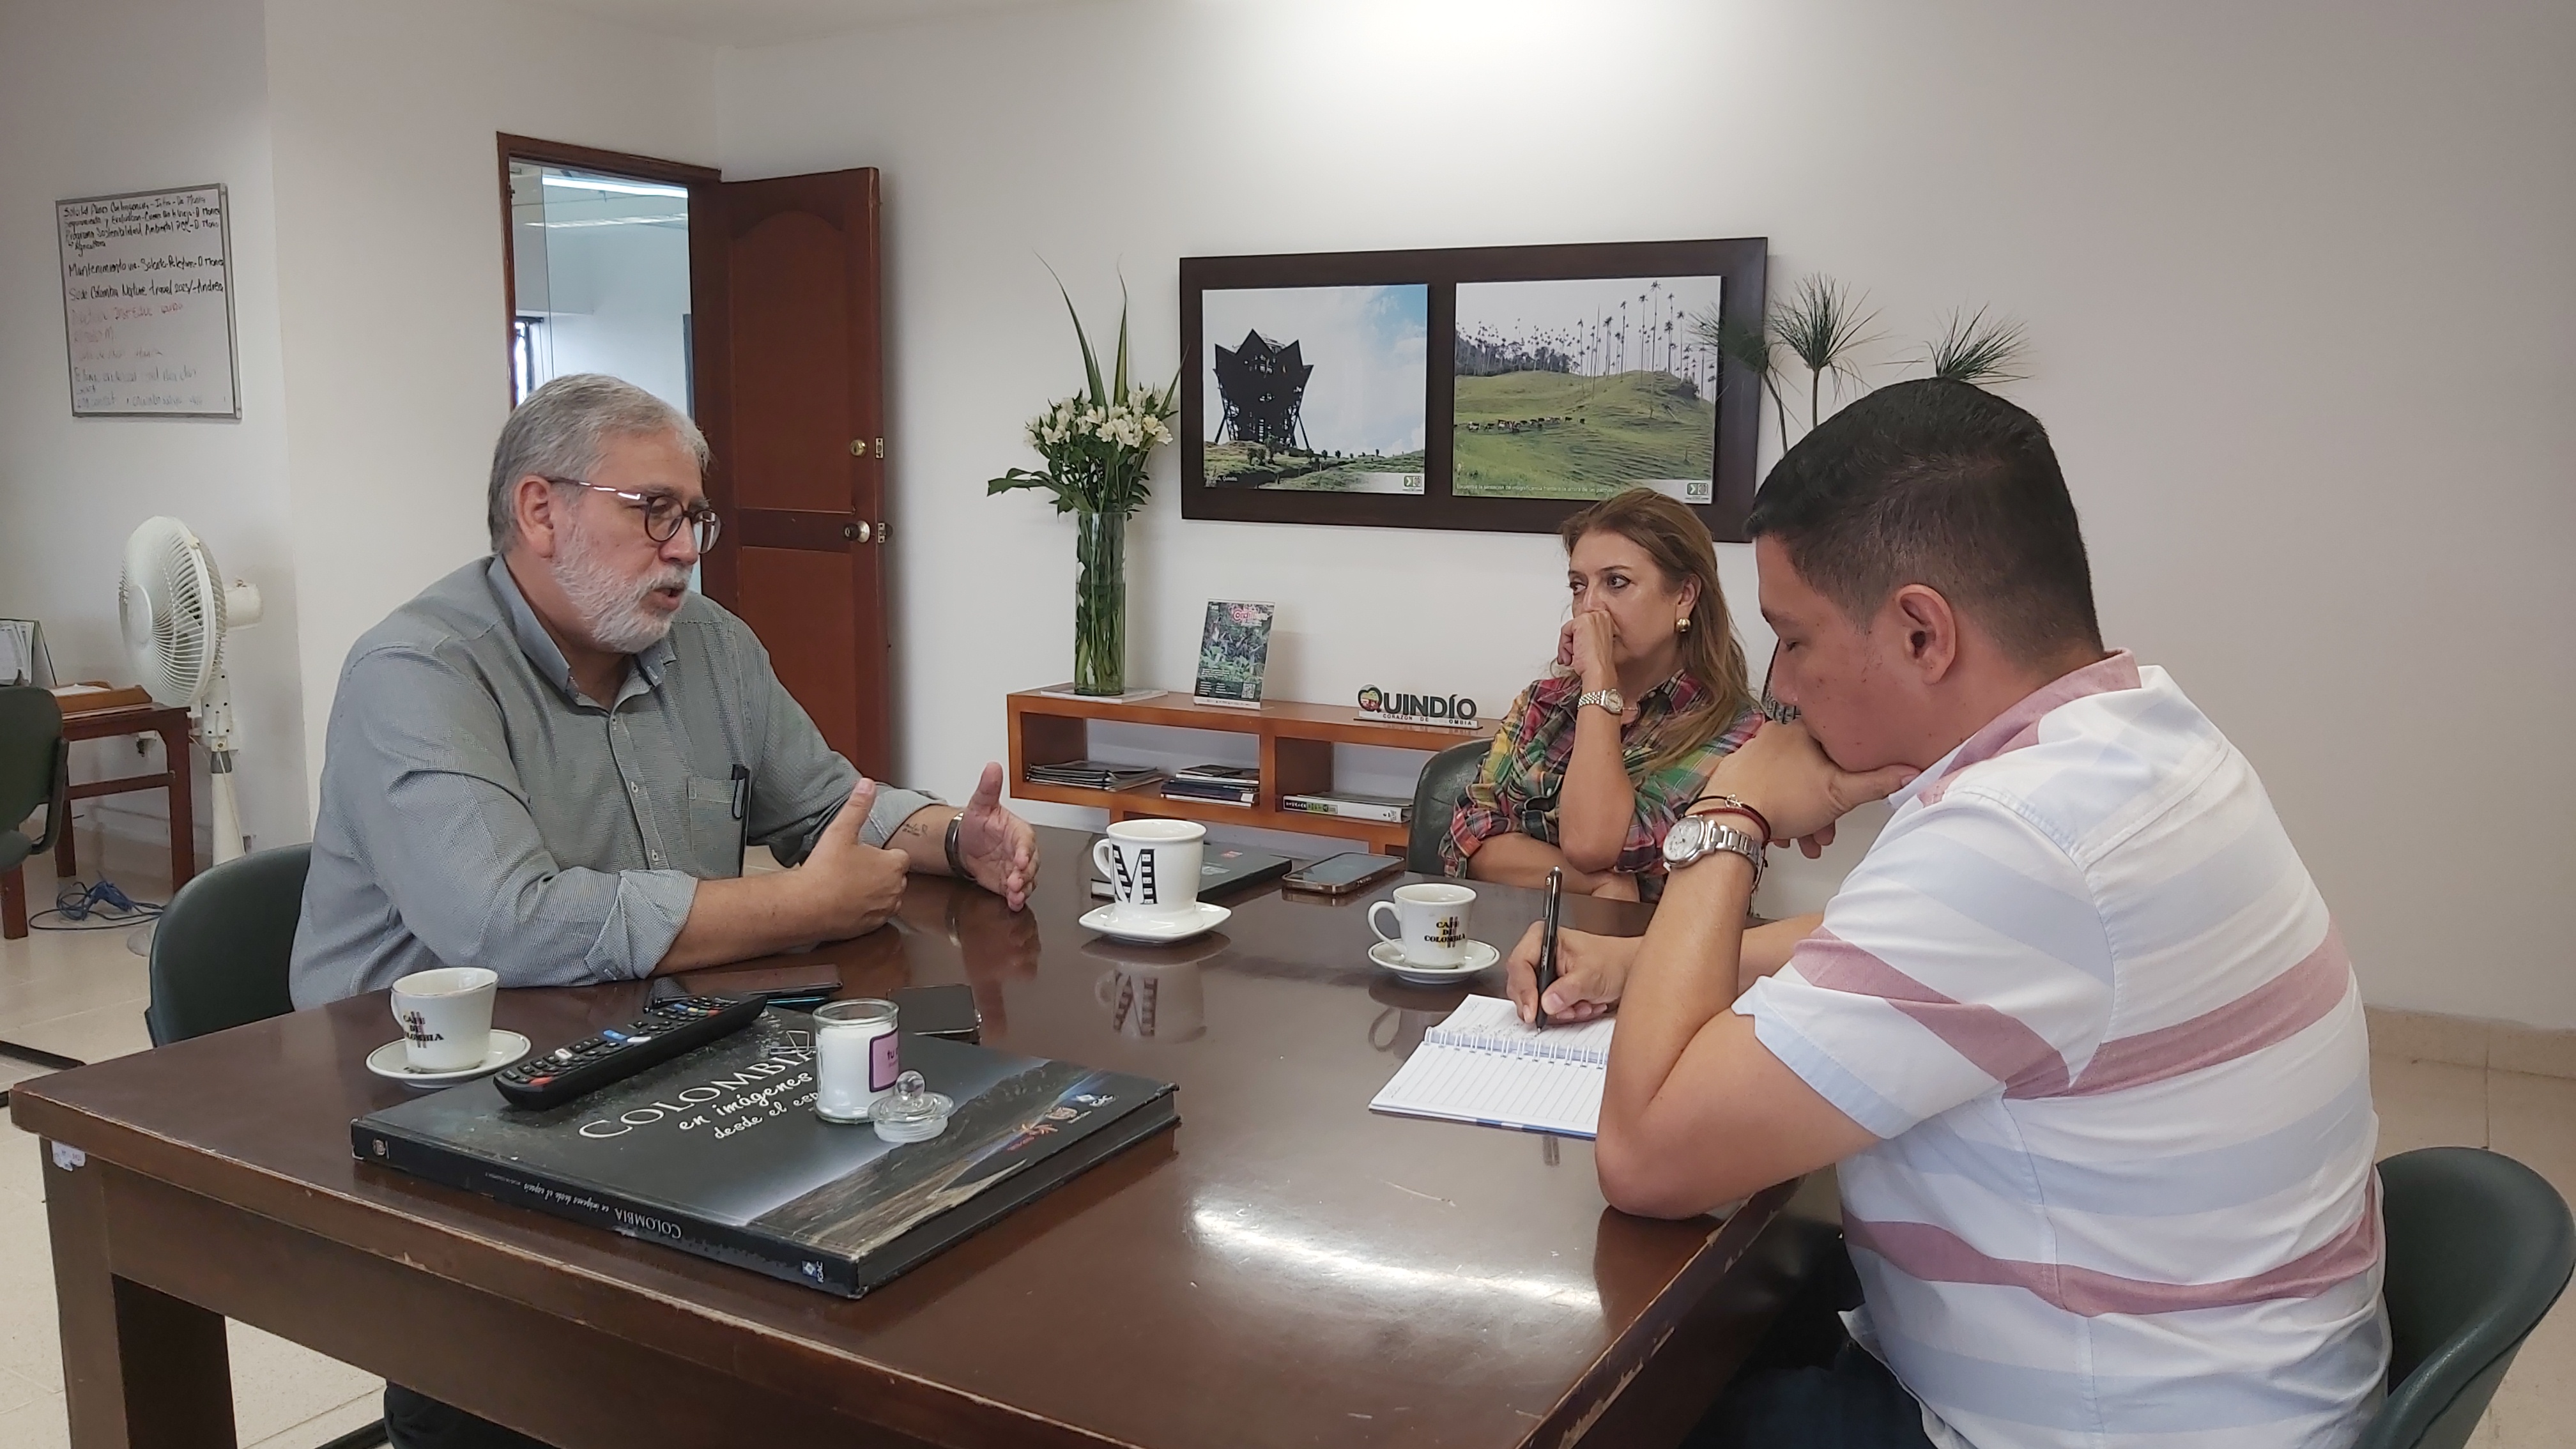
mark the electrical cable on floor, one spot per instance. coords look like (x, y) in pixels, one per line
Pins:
(100, 907)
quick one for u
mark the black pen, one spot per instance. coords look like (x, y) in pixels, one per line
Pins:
(1547, 941)
(742, 812)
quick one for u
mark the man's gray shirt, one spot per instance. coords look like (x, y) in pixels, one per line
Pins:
(477, 810)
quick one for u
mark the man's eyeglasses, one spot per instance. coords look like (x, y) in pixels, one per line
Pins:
(663, 514)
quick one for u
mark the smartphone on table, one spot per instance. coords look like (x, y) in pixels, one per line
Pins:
(1344, 874)
(799, 987)
(943, 1011)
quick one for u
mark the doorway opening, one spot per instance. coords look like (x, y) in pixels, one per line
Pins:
(599, 279)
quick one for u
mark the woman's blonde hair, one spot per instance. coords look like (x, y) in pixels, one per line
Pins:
(1672, 536)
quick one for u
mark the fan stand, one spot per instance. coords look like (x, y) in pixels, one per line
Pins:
(215, 731)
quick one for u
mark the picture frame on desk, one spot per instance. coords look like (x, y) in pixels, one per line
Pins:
(1551, 376)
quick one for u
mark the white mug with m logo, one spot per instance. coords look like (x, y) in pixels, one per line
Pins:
(1152, 865)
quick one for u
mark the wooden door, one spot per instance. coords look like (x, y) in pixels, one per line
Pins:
(791, 393)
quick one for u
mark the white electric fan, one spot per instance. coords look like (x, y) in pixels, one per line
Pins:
(176, 612)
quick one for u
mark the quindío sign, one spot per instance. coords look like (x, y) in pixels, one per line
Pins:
(1454, 710)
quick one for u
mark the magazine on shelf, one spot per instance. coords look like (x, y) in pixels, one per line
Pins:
(1212, 795)
(718, 1152)
(1234, 651)
(1094, 775)
(1351, 806)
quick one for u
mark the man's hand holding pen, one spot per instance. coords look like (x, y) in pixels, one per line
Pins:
(1591, 971)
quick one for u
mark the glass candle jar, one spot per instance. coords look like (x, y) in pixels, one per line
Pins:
(856, 1058)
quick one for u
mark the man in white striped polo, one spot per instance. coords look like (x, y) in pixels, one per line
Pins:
(2078, 1029)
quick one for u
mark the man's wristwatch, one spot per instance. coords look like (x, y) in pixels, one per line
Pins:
(1696, 837)
(956, 864)
(1608, 699)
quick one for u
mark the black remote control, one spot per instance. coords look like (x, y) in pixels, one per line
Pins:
(669, 1028)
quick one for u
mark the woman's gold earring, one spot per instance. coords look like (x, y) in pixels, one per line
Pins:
(1682, 624)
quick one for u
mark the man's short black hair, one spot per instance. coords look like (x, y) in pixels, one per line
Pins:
(1943, 484)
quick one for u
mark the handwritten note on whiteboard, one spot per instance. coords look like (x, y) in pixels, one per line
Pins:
(148, 304)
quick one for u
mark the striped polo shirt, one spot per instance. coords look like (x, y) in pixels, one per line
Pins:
(2086, 995)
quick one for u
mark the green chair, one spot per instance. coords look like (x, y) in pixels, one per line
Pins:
(219, 960)
(2479, 1247)
(221, 949)
(35, 771)
(1444, 782)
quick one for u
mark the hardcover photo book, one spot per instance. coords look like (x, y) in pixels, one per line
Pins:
(719, 1152)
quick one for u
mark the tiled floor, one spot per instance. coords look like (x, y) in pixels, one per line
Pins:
(83, 995)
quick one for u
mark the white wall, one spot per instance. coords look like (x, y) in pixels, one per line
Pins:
(2297, 276)
(357, 143)
(389, 225)
(123, 95)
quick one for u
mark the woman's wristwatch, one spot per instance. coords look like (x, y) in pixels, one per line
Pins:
(1694, 838)
(1608, 699)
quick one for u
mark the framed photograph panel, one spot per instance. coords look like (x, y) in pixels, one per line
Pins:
(1340, 406)
(1489, 388)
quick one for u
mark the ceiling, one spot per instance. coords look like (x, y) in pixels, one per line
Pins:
(770, 22)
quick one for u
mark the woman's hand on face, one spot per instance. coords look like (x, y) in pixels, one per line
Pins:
(1588, 644)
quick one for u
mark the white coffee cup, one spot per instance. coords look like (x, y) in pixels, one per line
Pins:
(1152, 865)
(1431, 922)
(446, 1017)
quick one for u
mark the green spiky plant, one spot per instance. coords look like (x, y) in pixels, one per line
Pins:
(1977, 351)
(1822, 325)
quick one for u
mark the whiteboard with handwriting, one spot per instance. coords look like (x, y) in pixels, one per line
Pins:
(148, 304)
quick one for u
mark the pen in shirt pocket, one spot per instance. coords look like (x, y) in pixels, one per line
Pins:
(742, 814)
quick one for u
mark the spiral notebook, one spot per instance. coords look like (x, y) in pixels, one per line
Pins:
(1483, 1065)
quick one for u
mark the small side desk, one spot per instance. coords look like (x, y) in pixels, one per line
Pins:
(146, 719)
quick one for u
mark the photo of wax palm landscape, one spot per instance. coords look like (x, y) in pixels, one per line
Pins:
(1578, 389)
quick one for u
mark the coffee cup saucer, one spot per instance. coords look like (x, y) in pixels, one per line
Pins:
(1154, 928)
(504, 1048)
(1390, 954)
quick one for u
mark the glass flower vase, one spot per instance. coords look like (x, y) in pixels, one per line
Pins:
(1099, 603)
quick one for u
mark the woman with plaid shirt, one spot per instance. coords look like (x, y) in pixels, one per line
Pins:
(1596, 761)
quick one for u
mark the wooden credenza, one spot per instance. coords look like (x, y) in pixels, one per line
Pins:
(1296, 757)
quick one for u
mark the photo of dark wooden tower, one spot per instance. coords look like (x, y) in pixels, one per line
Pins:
(1263, 385)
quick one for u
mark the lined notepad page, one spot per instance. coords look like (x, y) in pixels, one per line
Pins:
(1484, 1065)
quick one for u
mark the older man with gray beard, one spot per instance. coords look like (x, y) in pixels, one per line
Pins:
(552, 761)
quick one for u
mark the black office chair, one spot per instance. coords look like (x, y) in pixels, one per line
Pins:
(35, 770)
(2479, 1247)
(221, 950)
(1444, 782)
(219, 960)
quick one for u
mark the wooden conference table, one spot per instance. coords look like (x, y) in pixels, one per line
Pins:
(1285, 1268)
